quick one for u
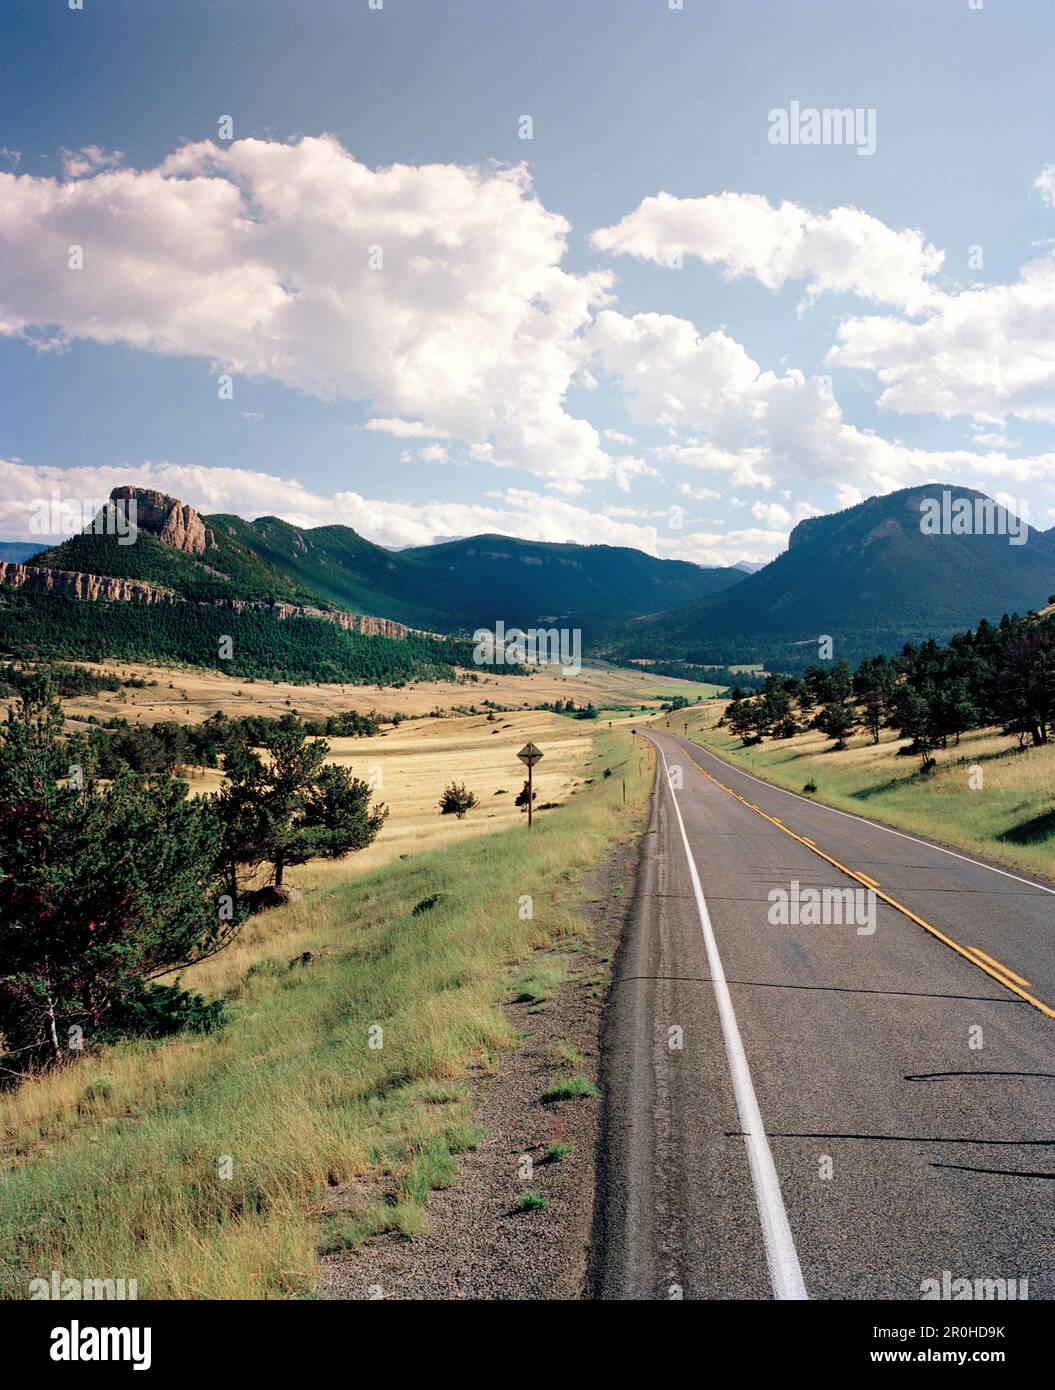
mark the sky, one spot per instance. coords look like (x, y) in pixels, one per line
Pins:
(551, 268)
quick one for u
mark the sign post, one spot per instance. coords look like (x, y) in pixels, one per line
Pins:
(530, 755)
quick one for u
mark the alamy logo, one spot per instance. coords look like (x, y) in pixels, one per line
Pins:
(982, 1289)
(823, 907)
(77, 1343)
(829, 125)
(98, 1289)
(68, 516)
(949, 515)
(536, 646)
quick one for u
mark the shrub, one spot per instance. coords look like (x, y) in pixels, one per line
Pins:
(155, 1011)
(456, 800)
(426, 904)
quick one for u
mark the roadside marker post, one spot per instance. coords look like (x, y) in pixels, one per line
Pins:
(530, 755)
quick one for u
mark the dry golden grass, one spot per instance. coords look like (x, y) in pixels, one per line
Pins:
(410, 765)
(191, 694)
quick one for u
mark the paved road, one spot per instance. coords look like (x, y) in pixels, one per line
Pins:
(848, 1114)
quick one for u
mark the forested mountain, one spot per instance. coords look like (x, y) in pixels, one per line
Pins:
(869, 577)
(450, 587)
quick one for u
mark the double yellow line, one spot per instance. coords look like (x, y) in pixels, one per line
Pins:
(993, 968)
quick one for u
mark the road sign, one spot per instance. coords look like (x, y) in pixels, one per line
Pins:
(530, 755)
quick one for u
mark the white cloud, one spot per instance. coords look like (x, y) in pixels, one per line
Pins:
(404, 429)
(434, 293)
(777, 517)
(1045, 182)
(752, 428)
(843, 250)
(248, 493)
(987, 352)
(87, 160)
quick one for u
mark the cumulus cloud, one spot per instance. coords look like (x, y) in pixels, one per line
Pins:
(404, 429)
(842, 250)
(86, 160)
(433, 293)
(987, 352)
(758, 429)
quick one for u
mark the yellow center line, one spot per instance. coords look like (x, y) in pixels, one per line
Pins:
(1000, 973)
(977, 951)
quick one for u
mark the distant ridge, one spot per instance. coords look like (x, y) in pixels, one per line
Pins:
(868, 577)
(452, 587)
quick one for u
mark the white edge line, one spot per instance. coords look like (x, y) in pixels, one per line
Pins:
(784, 1270)
(876, 825)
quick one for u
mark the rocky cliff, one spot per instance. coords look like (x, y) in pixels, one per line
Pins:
(351, 622)
(73, 584)
(173, 522)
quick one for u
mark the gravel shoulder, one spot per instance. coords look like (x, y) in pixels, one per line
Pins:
(480, 1243)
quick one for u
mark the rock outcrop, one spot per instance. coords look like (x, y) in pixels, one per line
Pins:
(351, 622)
(173, 522)
(75, 584)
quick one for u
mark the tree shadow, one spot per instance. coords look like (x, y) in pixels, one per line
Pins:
(1031, 832)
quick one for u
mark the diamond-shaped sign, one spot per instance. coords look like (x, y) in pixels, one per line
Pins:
(530, 755)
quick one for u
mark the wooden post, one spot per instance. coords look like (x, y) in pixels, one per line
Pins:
(531, 793)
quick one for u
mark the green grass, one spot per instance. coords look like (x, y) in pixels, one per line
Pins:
(572, 1089)
(532, 1201)
(566, 1054)
(535, 981)
(557, 1153)
(115, 1166)
(1009, 818)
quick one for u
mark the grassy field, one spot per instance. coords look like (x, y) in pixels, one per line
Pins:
(1009, 818)
(411, 764)
(191, 694)
(199, 1166)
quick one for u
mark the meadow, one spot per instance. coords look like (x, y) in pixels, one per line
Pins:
(199, 1166)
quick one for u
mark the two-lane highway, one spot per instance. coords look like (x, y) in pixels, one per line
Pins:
(826, 1111)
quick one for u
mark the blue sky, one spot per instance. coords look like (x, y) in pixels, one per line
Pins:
(699, 389)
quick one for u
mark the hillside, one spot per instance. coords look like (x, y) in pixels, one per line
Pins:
(868, 577)
(447, 588)
(487, 577)
(14, 552)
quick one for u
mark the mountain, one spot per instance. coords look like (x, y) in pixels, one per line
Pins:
(14, 552)
(484, 578)
(453, 586)
(869, 577)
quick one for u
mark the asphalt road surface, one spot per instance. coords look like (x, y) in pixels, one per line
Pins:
(823, 1111)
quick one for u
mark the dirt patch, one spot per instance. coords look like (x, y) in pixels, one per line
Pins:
(517, 1223)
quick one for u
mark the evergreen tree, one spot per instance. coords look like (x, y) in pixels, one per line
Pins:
(102, 884)
(292, 806)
